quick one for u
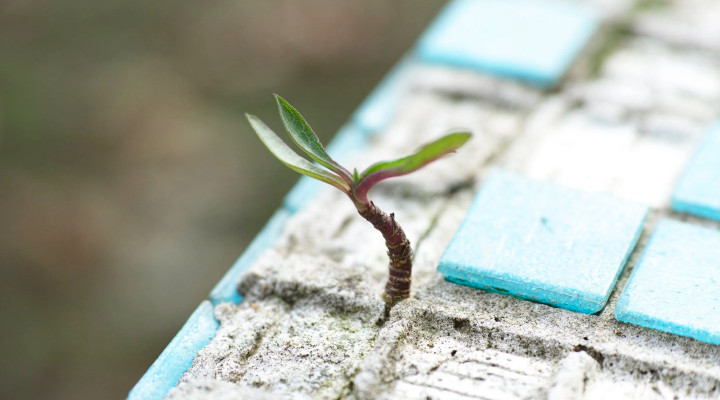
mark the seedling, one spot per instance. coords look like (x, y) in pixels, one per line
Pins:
(356, 185)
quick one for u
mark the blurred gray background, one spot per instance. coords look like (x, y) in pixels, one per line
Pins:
(129, 179)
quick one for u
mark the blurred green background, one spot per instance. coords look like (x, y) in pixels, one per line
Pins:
(129, 179)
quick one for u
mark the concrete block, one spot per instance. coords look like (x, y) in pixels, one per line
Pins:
(178, 356)
(347, 141)
(543, 242)
(530, 40)
(676, 285)
(698, 191)
(226, 289)
(379, 108)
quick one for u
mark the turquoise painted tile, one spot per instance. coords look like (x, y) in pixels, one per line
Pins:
(698, 191)
(347, 141)
(543, 242)
(178, 356)
(676, 285)
(529, 40)
(226, 289)
(380, 107)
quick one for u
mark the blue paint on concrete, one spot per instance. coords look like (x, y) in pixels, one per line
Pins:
(226, 289)
(543, 242)
(347, 141)
(529, 40)
(676, 285)
(698, 191)
(178, 356)
(380, 107)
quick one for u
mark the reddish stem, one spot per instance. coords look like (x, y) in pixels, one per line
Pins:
(399, 251)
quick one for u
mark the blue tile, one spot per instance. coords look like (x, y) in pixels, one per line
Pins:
(676, 285)
(698, 191)
(530, 40)
(380, 107)
(226, 289)
(543, 242)
(178, 356)
(347, 141)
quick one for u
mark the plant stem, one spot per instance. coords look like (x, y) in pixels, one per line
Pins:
(399, 251)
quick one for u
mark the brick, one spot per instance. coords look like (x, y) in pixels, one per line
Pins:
(543, 242)
(530, 40)
(676, 285)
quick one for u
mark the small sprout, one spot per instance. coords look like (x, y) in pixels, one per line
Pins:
(356, 185)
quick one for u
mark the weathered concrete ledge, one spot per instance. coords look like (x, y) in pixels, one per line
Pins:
(311, 323)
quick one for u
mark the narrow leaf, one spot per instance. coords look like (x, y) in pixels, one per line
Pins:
(288, 157)
(403, 166)
(425, 155)
(303, 136)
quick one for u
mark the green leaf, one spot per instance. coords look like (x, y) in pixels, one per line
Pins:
(425, 155)
(288, 157)
(402, 166)
(303, 136)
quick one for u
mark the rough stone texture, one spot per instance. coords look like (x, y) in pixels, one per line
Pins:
(688, 23)
(572, 376)
(630, 130)
(312, 324)
(290, 337)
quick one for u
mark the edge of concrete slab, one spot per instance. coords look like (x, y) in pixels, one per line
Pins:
(178, 356)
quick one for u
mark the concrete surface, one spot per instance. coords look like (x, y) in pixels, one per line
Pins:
(311, 324)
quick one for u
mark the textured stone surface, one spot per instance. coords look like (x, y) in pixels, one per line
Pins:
(698, 191)
(470, 83)
(630, 130)
(311, 324)
(290, 336)
(572, 376)
(676, 285)
(543, 242)
(534, 41)
(687, 23)
(525, 345)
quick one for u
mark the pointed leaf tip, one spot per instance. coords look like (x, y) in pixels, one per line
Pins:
(305, 138)
(423, 156)
(288, 157)
(403, 166)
